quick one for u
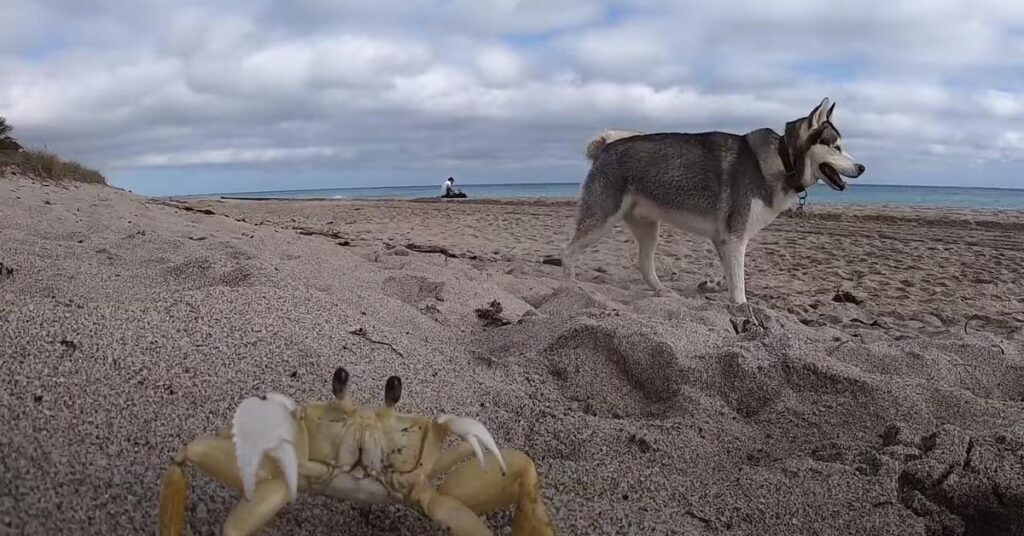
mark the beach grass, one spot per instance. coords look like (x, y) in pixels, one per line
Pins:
(45, 165)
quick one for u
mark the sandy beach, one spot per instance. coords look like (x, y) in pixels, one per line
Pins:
(884, 394)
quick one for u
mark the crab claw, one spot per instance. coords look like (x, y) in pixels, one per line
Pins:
(474, 433)
(264, 425)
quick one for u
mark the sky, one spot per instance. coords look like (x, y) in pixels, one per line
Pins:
(187, 96)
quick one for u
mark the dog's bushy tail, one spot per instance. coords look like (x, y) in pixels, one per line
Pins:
(604, 138)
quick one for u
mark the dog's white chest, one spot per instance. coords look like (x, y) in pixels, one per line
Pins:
(761, 214)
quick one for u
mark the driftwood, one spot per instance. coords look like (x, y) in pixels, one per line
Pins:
(421, 248)
(306, 231)
(361, 332)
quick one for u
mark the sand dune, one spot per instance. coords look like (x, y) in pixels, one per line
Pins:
(863, 405)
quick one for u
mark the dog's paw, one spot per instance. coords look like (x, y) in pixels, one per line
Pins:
(746, 315)
(710, 286)
(665, 292)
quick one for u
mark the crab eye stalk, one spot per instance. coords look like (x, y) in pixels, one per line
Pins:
(339, 382)
(392, 391)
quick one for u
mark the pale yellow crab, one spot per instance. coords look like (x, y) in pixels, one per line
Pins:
(276, 449)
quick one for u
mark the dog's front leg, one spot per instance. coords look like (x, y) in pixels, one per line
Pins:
(733, 254)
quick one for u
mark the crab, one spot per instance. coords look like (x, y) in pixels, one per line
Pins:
(276, 449)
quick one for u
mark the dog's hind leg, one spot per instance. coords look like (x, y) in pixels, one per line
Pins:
(599, 211)
(646, 233)
(588, 232)
(734, 254)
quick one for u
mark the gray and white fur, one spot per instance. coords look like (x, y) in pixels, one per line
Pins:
(724, 187)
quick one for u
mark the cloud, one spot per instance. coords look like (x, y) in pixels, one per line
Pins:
(291, 67)
(1003, 104)
(1012, 144)
(478, 18)
(500, 89)
(499, 66)
(623, 53)
(235, 156)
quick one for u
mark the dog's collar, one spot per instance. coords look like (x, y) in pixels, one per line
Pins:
(787, 164)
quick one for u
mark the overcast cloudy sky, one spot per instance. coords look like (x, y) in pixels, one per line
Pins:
(183, 96)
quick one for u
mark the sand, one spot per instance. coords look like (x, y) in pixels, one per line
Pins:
(129, 326)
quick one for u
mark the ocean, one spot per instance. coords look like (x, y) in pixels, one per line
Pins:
(860, 194)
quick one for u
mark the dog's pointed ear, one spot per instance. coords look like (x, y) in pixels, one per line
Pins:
(817, 115)
(828, 116)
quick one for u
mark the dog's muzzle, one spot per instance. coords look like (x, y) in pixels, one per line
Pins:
(834, 178)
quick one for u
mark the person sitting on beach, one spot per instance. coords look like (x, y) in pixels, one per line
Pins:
(448, 189)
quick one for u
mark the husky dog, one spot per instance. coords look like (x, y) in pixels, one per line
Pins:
(724, 187)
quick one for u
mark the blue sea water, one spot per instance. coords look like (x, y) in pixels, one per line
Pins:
(860, 194)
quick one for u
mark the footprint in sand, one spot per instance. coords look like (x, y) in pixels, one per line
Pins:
(612, 373)
(413, 289)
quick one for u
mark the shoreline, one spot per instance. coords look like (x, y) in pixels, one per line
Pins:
(827, 207)
(927, 197)
(560, 201)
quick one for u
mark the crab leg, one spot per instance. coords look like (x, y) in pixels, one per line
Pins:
(268, 498)
(274, 454)
(452, 514)
(484, 489)
(213, 456)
